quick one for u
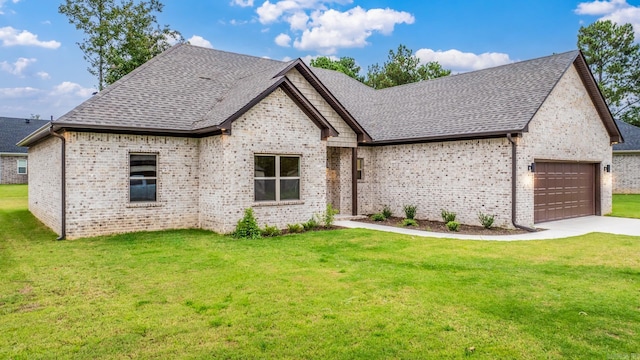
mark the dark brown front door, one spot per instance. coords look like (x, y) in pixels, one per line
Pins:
(564, 190)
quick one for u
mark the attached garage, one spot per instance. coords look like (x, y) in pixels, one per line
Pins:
(565, 190)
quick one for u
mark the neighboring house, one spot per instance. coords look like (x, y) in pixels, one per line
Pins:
(13, 158)
(194, 136)
(626, 161)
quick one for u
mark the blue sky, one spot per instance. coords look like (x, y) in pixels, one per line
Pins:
(43, 72)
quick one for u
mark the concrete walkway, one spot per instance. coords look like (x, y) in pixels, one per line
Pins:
(554, 229)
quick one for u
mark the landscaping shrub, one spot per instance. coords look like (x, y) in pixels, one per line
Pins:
(409, 222)
(329, 216)
(453, 226)
(410, 211)
(270, 231)
(294, 228)
(311, 224)
(486, 220)
(247, 227)
(378, 217)
(386, 212)
(447, 216)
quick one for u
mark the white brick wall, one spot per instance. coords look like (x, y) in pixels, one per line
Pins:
(626, 173)
(277, 126)
(45, 182)
(460, 176)
(346, 137)
(568, 128)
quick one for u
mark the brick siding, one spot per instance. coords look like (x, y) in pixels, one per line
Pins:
(9, 170)
(626, 173)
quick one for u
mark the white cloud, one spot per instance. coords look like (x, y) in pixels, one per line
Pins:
(57, 101)
(298, 21)
(270, 12)
(18, 67)
(283, 40)
(618, 11)
(43, 75)
(2, 3)
(600, 7)
(200, 41)
(330, 30)
(459, 61)
(243, 3)
(71, 88)
(13, 37)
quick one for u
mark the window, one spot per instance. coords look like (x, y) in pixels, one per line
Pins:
(359, 168)
(142, 177)
(22, 166)
(276, 177)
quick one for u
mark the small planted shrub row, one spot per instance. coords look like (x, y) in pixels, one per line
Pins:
(383, 215)
(486, 220)
(247, 227)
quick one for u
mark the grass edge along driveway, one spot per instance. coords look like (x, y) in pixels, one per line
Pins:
(335, 294)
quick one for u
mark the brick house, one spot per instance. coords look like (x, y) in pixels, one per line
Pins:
(626, 161)
(195, 136)
(13, 158)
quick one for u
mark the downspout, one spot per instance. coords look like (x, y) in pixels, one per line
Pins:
(514, 171)
(63, 180)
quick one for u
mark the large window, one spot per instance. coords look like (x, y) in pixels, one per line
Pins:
(22, 166)
(142, 177)
(276, 177)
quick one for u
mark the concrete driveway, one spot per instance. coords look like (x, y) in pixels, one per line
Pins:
(553, 229)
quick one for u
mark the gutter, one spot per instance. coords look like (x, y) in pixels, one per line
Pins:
(63, 182)
(514, 169)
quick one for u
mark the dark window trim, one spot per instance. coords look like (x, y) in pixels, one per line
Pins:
(156, 178)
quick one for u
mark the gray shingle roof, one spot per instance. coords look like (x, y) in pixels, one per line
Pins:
(189, 88)
(184, 88)
(495, 100)
(13, 130)
(631, 135)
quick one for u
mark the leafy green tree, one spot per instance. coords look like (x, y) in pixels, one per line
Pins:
(345, 65)
(614, 59)
(402, 67)
(118, 36)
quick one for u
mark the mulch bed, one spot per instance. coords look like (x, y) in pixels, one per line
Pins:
(438, 226)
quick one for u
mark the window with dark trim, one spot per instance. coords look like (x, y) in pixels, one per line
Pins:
(143, 177)
(359, 168)
(22, 166)
(276, 177)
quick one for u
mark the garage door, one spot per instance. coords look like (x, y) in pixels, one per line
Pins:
(564, 190)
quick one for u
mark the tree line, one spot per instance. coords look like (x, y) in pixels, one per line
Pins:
(122, 35)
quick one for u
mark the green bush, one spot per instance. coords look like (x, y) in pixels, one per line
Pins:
(311, 224)
(486, 220)
(447, 216)
(409, 222)
(378, 217)
(247, 227)
(294, 228)
(329, 216)
(270, 231)
(386, 212)
(410, 211)
(453, 226)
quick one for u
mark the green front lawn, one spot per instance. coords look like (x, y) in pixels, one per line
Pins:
(626, 206)
(322, 295)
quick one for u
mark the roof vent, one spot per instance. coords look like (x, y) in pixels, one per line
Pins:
(27, 121)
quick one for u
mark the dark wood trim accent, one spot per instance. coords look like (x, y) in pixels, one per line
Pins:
(354, 181)
(308, 74)
(598, 99)
(444, 138)
(598, 188)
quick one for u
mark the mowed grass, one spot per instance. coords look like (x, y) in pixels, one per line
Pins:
(344, 294)
(626, 205)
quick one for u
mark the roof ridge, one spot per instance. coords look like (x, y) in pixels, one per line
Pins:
(480, 70)
(236, 54)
